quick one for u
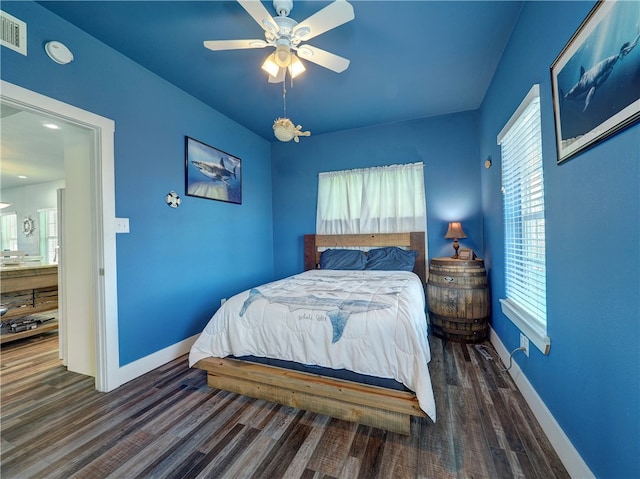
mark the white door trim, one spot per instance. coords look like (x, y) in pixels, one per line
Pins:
(102, 227)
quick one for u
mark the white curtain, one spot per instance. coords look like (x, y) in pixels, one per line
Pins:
(388, 199)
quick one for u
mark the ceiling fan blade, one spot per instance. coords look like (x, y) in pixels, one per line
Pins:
(216, 45)
(331, 16)
(279, 78)
(323, 58)
(260, 14)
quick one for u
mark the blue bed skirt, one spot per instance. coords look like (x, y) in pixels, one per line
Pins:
(333, 373)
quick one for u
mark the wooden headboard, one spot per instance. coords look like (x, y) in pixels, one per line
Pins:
(414, 241)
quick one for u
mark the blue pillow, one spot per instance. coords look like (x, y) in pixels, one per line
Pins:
(343, 259)
(391, 259)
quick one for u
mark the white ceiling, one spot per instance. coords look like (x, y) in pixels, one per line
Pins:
(27, 148)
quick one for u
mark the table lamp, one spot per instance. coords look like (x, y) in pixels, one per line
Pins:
(455, 232)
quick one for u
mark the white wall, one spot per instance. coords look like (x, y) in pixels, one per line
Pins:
(26, 201)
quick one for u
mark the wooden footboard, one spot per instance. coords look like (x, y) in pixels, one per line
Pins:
(370, 405)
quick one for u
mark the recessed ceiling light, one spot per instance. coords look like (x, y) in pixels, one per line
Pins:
(51, 126)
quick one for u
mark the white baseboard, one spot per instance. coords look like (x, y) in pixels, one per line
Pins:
(573, 462)
(149, 363)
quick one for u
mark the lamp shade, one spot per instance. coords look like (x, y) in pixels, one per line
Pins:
(270, 65)
(295, 67)
(455, 231)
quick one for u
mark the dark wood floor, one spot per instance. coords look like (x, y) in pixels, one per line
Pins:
(169, 424)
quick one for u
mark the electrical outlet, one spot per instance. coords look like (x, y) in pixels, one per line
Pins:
(222, 301)
(524, 343)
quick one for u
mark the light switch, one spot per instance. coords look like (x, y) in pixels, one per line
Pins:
(122, 225)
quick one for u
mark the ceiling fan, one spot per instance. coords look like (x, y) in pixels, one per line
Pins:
(287, 35)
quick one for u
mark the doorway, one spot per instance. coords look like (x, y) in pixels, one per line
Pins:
(88, 260)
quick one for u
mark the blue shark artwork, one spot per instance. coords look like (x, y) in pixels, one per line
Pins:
(337, 310)
(590, 80)
(215, 172)
(212, 173)
(596, 78)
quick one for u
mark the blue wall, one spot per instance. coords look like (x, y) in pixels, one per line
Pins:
(446, 145)
(590, 379)
(173, 267)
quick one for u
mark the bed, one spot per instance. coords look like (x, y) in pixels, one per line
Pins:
(340, 324)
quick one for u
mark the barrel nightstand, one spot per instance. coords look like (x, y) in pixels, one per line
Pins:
(458, 297)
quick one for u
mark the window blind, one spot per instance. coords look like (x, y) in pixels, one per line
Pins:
(49, 234)
(9, 231)
(523, 201)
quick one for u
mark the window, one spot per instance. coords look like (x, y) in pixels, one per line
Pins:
(9, 232)
(388, 199)
(49, 235)
(524, 228)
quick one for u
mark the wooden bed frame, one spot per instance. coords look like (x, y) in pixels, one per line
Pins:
(370, 405)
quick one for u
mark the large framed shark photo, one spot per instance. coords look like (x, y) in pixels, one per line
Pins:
(596, 78)
(212, 173)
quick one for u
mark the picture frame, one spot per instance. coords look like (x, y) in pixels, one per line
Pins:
(212, 173)
(466, 254)
(595, 87)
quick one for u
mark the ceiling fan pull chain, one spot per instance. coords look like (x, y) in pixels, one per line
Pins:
(284, 96)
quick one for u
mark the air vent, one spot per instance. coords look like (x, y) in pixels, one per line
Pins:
(14, 33)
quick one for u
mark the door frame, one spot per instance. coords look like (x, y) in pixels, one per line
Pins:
(103, 223)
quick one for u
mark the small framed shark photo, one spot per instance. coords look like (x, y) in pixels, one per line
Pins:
(596, 78)
(211, 173)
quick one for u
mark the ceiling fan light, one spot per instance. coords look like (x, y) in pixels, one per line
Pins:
(283, 55)
(296, 67)
(270, 65)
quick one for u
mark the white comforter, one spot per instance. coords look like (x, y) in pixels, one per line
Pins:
(370, 322)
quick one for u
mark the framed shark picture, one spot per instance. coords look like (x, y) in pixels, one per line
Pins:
(596, 78)
(211, 173)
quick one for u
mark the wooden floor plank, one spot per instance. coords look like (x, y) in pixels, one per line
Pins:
(371, 464)
(400, 458)
(249, 461)
(284, 449)
(486, 408)
(169, 424)
(452, 375)
(118, 454)
(334, 447)
(468, 442)
(351, 468)
(536, 445)
(436, 456)
(463, 364)
(521, 465)
(359, 443)
(501, 463)
(317, 424)
(217, 460)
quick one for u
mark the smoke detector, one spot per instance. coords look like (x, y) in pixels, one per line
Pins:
(58, 52)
